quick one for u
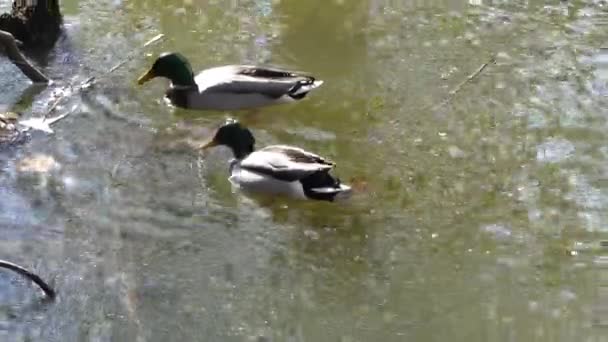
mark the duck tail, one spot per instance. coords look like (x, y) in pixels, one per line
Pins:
(303, 87)
(343, 190)
(322, 186)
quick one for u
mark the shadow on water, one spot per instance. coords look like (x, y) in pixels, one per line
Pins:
(482, 217)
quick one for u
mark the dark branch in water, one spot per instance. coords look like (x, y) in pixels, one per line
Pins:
(48, 290)
(9, 45)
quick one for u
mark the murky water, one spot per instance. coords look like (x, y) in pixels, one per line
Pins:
(482, 220)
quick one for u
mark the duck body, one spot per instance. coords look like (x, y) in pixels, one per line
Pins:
(287, 170)
(278, 169)
(229, 87)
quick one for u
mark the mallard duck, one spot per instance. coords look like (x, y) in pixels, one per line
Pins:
(229, 87)
(276, 169)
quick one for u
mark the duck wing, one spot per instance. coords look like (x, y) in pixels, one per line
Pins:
(298, 154)
(286, 163)
(244, 79)
(271, 73)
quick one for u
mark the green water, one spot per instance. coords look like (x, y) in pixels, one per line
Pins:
(481, 220)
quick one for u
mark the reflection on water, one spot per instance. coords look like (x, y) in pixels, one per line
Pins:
(482, 218)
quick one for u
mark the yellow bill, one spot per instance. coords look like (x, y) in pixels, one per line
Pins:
(208, 144)
(146, 77)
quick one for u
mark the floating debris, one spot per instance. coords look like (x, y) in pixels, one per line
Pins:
(8, 121)
(42, 123)
(39, 163)
(8, 128)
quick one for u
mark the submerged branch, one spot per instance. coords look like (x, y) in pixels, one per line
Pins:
(73, 88)
(467, 80)
(9, 45)
(48, 290)
(472, 76)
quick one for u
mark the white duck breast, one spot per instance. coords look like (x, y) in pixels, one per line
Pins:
(251, 181)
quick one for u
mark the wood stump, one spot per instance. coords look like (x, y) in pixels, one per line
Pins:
(36, 23)
(37, 26)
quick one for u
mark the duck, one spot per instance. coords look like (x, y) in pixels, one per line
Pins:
(228, 87)
(276, 169)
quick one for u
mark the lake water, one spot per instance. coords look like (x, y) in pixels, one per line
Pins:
(483, 211)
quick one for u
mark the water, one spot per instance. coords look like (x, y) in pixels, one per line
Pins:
(483, 213)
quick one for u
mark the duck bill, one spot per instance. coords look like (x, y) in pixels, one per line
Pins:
(146, 77)
(208, 145)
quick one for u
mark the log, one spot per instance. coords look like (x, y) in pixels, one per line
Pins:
(36, 23)
(8, 43)
(36, 26)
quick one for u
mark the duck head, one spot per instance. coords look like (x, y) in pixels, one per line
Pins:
(234, 135)
(171, 65)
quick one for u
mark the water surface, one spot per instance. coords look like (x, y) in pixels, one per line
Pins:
(482, 218)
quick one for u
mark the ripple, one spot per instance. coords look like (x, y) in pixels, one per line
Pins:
(498, 231)
(586, 195)
(554, 150)
(14, 209)
(311, 133)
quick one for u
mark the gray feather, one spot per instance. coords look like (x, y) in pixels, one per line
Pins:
(273, 89)
(285, 163)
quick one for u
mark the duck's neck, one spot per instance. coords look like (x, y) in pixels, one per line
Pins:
(242, 151)
(182, 78)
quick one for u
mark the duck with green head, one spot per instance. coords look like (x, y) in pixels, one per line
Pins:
(229, 87)
(276, 169)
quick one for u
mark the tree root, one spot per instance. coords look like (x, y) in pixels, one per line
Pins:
(48, 290)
